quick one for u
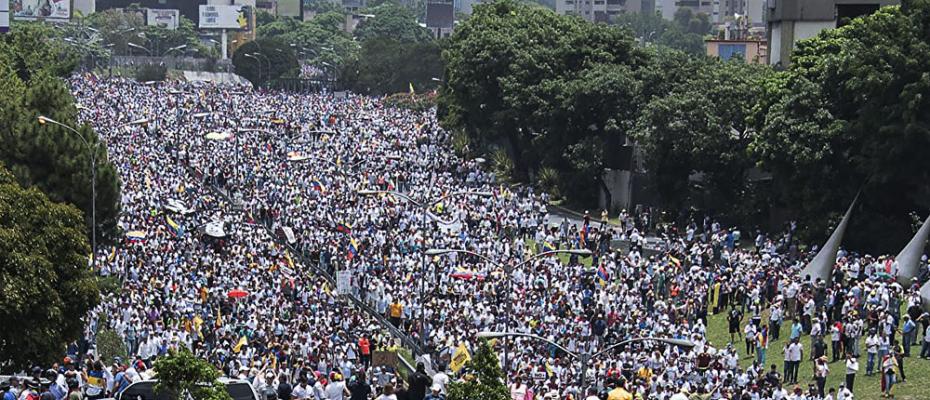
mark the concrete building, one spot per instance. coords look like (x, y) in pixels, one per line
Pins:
(601, 10)
(750, 51)
(792, 20)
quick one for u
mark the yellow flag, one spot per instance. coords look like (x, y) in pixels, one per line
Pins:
(460, 358)
(242, 342)
(411, 88)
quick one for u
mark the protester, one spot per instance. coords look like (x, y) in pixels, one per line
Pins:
(241, 206)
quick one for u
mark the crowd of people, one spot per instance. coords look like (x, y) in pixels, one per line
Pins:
(239, 206)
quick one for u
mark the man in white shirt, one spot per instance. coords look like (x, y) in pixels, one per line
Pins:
(852, 368)
(871, 347)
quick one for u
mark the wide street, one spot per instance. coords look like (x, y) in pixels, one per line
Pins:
(299, 200)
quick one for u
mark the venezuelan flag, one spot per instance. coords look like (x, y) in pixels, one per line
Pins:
(548, 246)
(173, 227)
(318, 186)
(353, 249)
(674, 261)
(602, 275)
(135, 236)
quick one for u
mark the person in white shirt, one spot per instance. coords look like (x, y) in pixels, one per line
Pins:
(852, 368)
(441, 379)
(871, 347)
(844, 393)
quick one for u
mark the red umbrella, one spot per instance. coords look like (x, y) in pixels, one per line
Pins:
(237, 293)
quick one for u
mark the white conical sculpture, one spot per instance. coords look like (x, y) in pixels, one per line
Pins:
(822, 264)
(908, 260)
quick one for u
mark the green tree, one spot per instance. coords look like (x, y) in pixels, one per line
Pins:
(850, 114)
(391, 21)
(44, 278)
(701, 126)
(652, 29)
(30, 47)
(388, 66)
(50, 157)
(181, 372)
(545, 87)
(320, 40)
(487, 380)
(264, 60)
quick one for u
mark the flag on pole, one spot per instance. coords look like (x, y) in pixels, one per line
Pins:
(353, 249)
(173, 227)
(602, 275)
(243, 341)
(459, 358)
(548, 246)
(411, 89)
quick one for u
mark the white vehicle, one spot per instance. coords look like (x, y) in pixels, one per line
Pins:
(145, 390)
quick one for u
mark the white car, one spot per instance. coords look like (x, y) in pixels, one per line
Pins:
(145, 390)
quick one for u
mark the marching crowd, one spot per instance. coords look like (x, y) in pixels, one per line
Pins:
(231, 195)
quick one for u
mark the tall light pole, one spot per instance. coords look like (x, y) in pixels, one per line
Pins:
(426, 207)
(93, 184)
(585, 358)
(252, 56)
(93, 177)
(509, 272)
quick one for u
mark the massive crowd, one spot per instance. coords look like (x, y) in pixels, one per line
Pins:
(219, 178)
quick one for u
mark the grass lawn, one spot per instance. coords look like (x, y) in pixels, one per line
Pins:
(916, 369)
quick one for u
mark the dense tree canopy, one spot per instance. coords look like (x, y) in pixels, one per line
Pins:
(700, 127)
(685, 33)
(263, 60)
(484, 380)
(319, 40)
(391, 21)
(388, 66)
(46, 284)
(851, 114)
(50, 157)
(182, 375)
(553, 91)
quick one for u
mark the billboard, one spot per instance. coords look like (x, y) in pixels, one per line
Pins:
(289, 8)
(225, 17)
(163, 18)
(4, 16)
(49, 10)
(439, 14)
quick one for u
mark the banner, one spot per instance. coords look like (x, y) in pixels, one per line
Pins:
(289, 234)
(225, 17)
(50, 10)
(344, 282)
(167, 19)
(460, 358)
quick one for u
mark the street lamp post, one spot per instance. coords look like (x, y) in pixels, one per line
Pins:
(93, 184)
(426, 207)
(585, 358)
(509, 272)
(93, 178)
(252, 56)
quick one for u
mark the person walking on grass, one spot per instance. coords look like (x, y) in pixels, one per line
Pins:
(889, 367)
(852, 368)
